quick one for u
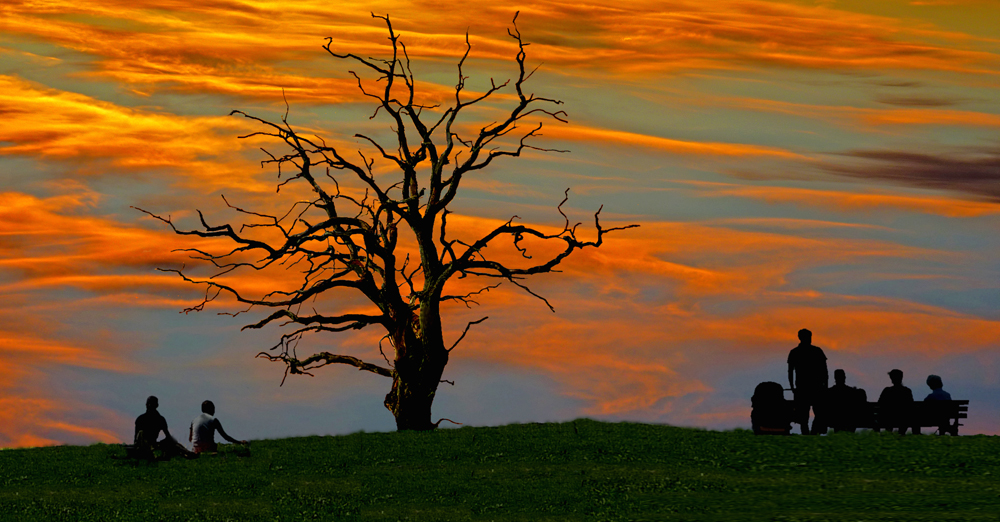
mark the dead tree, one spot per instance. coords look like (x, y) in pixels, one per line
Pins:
(344, 242)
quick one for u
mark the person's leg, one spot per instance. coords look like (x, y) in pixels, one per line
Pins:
(143, 448)
(171, 448)
(800, 415)
(819, 426)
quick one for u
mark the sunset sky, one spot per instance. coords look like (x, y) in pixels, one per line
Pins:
(833, 165)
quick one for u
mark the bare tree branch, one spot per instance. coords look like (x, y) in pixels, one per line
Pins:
(466, 331)
(346, 246)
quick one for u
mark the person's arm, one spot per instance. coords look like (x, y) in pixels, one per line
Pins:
(791, 384)
(218, 426)
(166, 432)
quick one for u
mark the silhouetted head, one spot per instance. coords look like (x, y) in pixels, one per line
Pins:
(208, 407)
(152, 402)
(805, 336)
(934, 382)
(839, 376)
(896, 376)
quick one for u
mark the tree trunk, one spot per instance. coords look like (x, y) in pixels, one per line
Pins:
(411, 405)
(418, 371)
(412, 395)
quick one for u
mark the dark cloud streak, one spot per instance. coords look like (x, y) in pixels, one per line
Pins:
(975, 173)
(914, 101)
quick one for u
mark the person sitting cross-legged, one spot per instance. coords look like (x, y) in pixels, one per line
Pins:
(203, 427)
(147, 429)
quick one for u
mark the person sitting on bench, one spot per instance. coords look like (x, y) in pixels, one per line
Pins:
(895, 404)
(147, 429)
(844, 404)
(937, 389)
(938, 394)
(203, 427)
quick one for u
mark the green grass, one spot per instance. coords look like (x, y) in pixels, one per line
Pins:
(582, 470)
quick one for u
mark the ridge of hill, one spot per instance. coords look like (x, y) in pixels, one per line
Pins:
(579, 470)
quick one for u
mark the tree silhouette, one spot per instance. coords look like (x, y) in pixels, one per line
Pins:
(349, 242)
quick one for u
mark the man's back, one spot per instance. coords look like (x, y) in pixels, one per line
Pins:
(148, 426)
(842, 393)
(895, 395)
(938, 395)
(203, 430)
(809, 363)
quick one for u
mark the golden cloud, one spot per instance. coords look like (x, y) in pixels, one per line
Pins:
(78, 126)
(860, 117)
(673, 146)
(850, 201)
(27, 421)
(251, 49)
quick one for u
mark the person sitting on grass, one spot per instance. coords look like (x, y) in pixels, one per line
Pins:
(147, 429)
(203, 427)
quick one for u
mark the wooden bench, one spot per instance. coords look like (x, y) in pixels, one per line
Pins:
(942, 415)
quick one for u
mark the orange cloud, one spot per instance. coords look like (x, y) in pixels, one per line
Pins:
(54, 237)
(251, 50)
(30, 349)
(850, 201)
(78, 126)
(927, 117)
(696, 260)
(33, 422)
(96, 134)
(613, 137)
(52, 243)
(860, 117)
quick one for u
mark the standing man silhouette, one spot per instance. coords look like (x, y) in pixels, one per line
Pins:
(809, 379)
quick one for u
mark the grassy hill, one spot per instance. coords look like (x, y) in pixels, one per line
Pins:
(581, 470)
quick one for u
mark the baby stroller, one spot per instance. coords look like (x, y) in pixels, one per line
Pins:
(771, 413)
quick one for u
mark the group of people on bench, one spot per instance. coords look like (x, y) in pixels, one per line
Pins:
(201, 433)
(840, 406)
